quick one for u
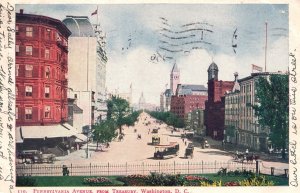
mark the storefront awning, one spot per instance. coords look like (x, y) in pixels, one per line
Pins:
(46, 131)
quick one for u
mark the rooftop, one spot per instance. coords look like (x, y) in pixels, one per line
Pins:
(80, 26)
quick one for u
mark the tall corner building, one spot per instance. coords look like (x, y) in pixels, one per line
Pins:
(41, 70)
(87, 70)
(42, 85)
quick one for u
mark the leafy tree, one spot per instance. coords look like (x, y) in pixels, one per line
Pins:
(104, 132)
(169, 118)
(118, 110)
(273, 108)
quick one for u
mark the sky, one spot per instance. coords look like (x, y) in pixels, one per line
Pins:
(143, 41)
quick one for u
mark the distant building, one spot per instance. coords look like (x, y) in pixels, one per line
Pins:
(215, 105)
(165, 100)
(174, 78)
(142, 102)
(187, 99)
(165, 97)
(143, 105)
(124, 95)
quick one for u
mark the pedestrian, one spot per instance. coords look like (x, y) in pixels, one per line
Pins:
(185, 143)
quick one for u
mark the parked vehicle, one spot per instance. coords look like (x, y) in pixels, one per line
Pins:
(35, 156)
(163, 151)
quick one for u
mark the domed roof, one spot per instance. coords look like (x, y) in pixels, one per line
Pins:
(213, 66)
(80, 26)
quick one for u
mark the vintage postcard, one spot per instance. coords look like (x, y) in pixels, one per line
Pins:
(149, 97)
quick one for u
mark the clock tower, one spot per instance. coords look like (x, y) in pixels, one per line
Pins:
(213, 72)
(174, 79)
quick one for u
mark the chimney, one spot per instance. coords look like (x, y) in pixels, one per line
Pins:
(21, 11)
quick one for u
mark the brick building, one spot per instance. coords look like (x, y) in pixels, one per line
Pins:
(215, 105)
(187, 99)
(41, 85)
(41, 70)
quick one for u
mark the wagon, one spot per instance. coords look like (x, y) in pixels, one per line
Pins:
(155, 140)
(155, 130)
(162, 151)
(189, 151)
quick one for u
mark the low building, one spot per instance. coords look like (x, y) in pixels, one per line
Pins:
(195, 122)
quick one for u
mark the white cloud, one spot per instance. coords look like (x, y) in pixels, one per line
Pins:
(193, 68)
(136, 68)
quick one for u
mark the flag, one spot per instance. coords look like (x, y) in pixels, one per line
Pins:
(95, 12)
(257, 68)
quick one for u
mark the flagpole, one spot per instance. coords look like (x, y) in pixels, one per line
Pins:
(97, 16)
(266, 46)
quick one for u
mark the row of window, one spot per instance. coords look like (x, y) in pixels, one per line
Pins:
(236, 100)
(28, 112)
(244, 111)
(48, 34)
(231, 111)
(246, 88)
(29, 52)
(28, 91)
(29, 71)
(232, 100)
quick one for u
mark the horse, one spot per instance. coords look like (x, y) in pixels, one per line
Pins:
(121, 137)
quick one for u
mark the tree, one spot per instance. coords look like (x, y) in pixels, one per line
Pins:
(104, 132)
(168, 117)
(118, 110)
(273, 108)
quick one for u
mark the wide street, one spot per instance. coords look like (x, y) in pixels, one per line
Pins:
(135, 151)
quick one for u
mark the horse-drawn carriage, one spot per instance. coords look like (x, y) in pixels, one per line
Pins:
(155, 140)
(189, 151)
(162, 151)
(155, 130)
(241, 157)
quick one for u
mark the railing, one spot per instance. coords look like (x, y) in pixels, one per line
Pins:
(109, 169)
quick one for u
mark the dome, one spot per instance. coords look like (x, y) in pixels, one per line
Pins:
(213, 66)
(80, 26)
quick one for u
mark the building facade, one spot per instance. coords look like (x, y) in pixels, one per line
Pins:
(42, 85)
(232, 108)
(87, 84)
(187, 99)
(195, 122)
(41, 70)
(240, 118)
(215, 105)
